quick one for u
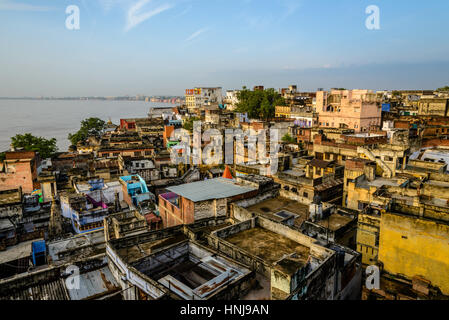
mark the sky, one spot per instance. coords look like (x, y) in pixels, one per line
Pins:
(162, 47)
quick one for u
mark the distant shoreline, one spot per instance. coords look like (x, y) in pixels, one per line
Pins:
(159, 99)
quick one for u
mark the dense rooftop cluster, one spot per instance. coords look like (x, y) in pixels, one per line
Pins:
(361, 180)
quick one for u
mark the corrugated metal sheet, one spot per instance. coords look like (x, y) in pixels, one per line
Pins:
(210, 189)
(94, 284)
(54, 290)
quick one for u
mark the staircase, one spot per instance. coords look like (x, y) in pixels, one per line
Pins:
(388, 173)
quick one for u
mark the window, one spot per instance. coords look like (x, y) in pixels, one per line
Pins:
(361, 205)
(137, 164)
(137, 153)
(148, 153)
(306, 195)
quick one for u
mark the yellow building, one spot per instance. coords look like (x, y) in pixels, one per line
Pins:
(416, 243)
(368, 229)
(283, 111)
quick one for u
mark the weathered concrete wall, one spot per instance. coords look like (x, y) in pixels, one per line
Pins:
(368, 238)
(412, 246)
(319, 284)
(210, 208)
(299, 196)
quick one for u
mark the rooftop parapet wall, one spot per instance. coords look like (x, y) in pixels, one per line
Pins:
(316, 250)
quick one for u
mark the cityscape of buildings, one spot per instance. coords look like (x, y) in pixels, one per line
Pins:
(358, 208)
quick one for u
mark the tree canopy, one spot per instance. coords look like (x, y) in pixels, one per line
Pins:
(446, 88)
(28, 142)
(259, 104)
(288, 138)
(188, 124)
(89, 127)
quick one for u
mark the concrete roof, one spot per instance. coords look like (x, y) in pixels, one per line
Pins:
(19, 251)
(10, 197)
(6, 224)
(76, 242)
(210, 189)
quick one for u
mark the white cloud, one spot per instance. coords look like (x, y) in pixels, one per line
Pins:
(134, 16)
(7, 5)
(196, 34)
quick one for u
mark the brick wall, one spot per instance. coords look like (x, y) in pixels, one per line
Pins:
(19, 174)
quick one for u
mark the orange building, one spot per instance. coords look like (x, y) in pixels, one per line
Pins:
(20, 168)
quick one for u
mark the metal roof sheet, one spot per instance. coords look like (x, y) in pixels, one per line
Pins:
(53, 290)
(210, 189)
(93, 284)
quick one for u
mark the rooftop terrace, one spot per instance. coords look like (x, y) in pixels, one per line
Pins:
(269, 246)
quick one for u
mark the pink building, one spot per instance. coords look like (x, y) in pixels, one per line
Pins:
(353, 109)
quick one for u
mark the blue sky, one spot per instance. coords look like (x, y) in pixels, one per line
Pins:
(165, 46)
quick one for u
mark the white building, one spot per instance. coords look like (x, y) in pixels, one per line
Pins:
(231, 99)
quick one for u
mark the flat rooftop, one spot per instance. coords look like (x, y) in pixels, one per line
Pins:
(141, 250)
(379, 182)
(335, 222)
(19, 251)
(275, 205)
(267, 245)
(365, 135)
(94, 238)
(10, 197)
(210, 189)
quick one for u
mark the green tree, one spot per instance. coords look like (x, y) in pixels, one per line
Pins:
(288, 138)
(446, 88)
(28, 142)
(188, 124)
(259, 104)
(89, 127)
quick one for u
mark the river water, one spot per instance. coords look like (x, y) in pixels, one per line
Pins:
(58, 118)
